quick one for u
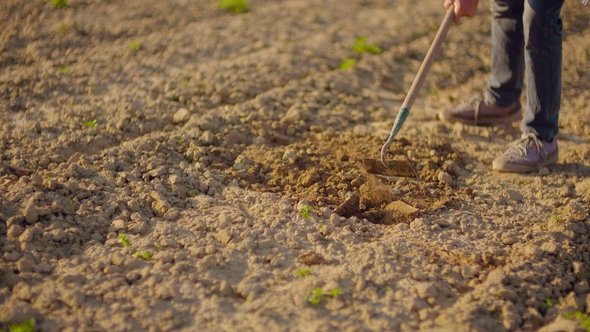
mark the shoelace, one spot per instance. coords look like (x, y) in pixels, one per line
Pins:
(521, 145)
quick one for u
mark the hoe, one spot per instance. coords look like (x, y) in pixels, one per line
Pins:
(402, 167)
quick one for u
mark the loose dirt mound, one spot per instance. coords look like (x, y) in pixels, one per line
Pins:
(174, 166)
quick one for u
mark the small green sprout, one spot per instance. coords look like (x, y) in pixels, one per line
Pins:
(181, 140)
(387, 288)
(63, 27)
(548, 303)
(499, 293)
(317, 294)
(64, 69)
(433, 91)
(581, 317)
(361, 46)
(136, 45)
(91, 123)
(124, 240)
(334, 292)
(60, 3)
(159, 247)
(347, 64)
(302, 273)
(143, 254)
(48, 178)
(169, 190)
(305, 211)
(27, 326)
(558, 219)
(191, 194)
(235, 6)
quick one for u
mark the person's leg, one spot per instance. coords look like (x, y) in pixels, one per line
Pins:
(543, 57)
(542, 33)
(506, 81)
(501, 102)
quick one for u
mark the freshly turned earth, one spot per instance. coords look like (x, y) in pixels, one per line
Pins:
(227, 149)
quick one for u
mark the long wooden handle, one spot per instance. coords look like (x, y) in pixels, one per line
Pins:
(404, 111)
(429, 59)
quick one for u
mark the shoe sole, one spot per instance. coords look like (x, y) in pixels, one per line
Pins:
(508, 168)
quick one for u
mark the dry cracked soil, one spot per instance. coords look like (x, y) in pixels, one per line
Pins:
(172, 166)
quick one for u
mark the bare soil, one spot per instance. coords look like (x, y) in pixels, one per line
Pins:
(170, 166)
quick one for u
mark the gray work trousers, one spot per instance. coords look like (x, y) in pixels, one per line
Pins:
(527, 42)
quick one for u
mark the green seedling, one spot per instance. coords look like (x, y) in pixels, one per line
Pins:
(91, 123)
(136, 45)
(305, 211)
(235, 6)
(317, 294)
(347, 64)
(28, 326)
(387, 289)
(191, 194)
(302, 273)
(124, 240)
(64, 69)
(492, 309)
(63, 27)
(432, 91)
(60, 3)
(499, 293)
(334, 292)
(361, 46)
(159, 247)
(48, 178)
(558, 218)
(548, 303)
(143, 254)
(581, 317)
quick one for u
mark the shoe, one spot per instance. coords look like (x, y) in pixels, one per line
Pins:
(528, 154)
(480, 113)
